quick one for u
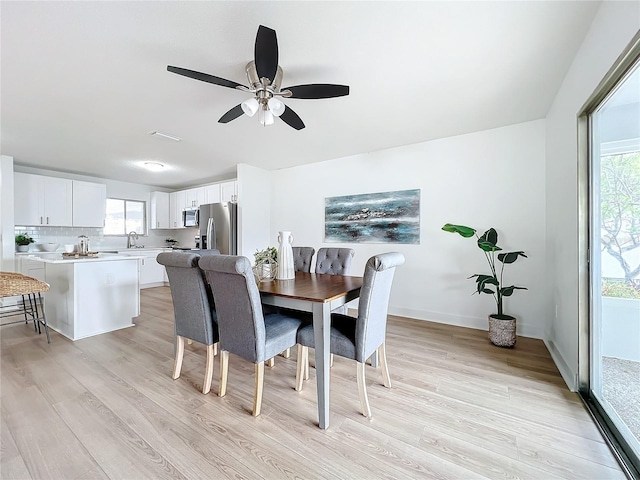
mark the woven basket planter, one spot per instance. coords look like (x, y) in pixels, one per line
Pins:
(502, 330)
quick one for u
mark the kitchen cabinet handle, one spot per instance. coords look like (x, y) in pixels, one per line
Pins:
(40, 220)
(47, 220)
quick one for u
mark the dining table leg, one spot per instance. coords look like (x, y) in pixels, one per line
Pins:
(321, 333)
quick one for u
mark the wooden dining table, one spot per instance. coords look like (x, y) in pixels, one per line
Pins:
(319, 294)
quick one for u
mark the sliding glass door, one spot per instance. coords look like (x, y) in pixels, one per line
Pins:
(614, 246)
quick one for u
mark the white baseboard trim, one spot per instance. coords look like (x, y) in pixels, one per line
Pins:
(568, 375)
(151, 285)
(523, 330)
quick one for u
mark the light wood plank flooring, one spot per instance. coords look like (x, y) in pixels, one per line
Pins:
(106, 408)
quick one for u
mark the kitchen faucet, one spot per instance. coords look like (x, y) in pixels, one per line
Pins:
(131, 239)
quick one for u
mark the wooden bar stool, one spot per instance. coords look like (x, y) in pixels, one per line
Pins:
(30, 289)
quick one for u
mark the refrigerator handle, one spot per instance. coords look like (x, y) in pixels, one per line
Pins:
(210, 233)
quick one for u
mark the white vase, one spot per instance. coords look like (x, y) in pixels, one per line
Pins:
(285, 257)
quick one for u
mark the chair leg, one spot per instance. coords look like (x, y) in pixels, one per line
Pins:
(331, 360)
(286, 353)
(257, 398)
(362, 389)
(301, 362)
(189, 341)
(208, 374)
(382, 359)
(306, 363)
(271, 362)
(215, 348)
(177, 366)
(224, 370)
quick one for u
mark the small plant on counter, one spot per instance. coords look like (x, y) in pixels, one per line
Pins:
(172, 242)
(24, 239)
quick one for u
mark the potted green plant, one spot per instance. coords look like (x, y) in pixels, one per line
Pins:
(502, 327)
(23, 241)
(266, 264)
(172, 242)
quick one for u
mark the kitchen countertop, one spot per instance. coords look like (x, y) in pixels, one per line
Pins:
(120, 251)
(102, 257)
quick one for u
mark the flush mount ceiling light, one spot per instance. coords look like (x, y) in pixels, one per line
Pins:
(164, 135)
(153, 166)
(265, 78)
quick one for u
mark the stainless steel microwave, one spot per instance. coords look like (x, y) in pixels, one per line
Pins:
(190, 217)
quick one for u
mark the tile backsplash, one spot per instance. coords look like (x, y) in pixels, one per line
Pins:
(98, 241)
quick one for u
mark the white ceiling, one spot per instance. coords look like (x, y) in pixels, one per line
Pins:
(82, 83)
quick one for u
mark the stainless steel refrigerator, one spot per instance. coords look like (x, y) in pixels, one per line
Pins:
(219, 227)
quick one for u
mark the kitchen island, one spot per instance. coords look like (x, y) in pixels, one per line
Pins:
(90, 295)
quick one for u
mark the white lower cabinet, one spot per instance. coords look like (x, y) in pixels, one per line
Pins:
(152, 274)
(30, 268)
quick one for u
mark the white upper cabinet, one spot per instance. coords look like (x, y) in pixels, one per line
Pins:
(40, 200)
(212, 193)
(229, 191)
(160, 210)
(177, 203)
(89, 204)
(194, 197)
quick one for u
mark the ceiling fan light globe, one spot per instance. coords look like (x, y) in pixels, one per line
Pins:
(250, 107)
(276, 106)
(265, 117)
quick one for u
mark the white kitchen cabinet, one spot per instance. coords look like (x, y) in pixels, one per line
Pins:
(212, 193)
(89, 204)
(229, 191)
(40, 200)
(152, 274)
(160, 210)
(194, 197)
(177, 201)
(30, 267)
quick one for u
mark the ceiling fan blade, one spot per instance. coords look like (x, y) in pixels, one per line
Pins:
(266, 53)
(318, 90)
(292, 119)
(204, 77)
(232, 114)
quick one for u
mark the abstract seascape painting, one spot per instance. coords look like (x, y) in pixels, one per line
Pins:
(388, 217)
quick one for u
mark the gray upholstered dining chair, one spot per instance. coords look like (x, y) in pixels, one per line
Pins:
(334, 261)
(193, 308)
(360, 339)
(302, 257)
(244, 330)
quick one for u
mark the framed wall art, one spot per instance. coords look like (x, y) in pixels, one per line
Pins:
(388, 217)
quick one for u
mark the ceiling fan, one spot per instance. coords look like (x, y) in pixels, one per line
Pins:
(265, 79)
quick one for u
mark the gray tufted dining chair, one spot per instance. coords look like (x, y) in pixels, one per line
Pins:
(244, 330)
(302, 257)
(334, 261)
(360, 339)
(193, 308)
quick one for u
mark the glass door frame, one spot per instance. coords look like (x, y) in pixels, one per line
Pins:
(586, 290)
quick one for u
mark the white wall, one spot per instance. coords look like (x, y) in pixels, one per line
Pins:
(493, 178)
(254, 204)
(613, 28)
(7, 237)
